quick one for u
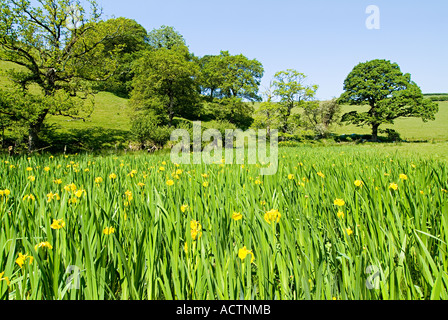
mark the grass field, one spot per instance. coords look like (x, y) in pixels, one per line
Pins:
(338, 221)
(140, 227)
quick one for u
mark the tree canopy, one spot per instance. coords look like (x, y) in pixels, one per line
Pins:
(231, 76)
(289, 86)
(133, 41)
(165, 37)
(165, 81)
(61, 48)
(227, 82)
(390, 94)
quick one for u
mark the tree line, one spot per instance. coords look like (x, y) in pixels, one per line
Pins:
(67, 53)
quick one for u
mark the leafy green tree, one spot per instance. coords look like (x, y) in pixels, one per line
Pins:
(165, 37)
(231, 76)
(227, 82)
(266, 116)
(232, 110)
(320, 116)
(165, 81)
(61, 49)
(6, 120)
(22, 109)
(290, 89)
(212, 76)
(133, 41)
(147, 127)
(388, 92)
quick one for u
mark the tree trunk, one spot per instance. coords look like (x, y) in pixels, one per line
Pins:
(32, 139)
(287, 115)
(170, 115)
(170, 108)
(3, 137)
(33, 133)
(375, 127)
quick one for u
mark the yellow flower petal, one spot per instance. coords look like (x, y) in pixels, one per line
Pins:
(57, 224)
(393, 186)
(243, 252)
(359, 183)
(109, 230)
(272, 216)
(237, 216)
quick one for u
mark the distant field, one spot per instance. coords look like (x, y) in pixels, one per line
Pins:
(437, 96)
(410, 151)
(411, 129)
(110, 112)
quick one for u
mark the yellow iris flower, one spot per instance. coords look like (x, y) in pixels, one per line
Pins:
(243, 253)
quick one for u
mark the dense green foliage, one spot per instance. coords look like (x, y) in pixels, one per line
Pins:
(227, 76)
(170, 82)
(59, 55)
(165, 37)
(320, 116)
(133, 41)
(165, 82)
(289, 87)
(389, 93)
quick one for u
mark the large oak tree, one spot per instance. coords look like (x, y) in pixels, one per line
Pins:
(60, 48)
(166, 82)
(226, 82)
(231, 76)
(388, 92)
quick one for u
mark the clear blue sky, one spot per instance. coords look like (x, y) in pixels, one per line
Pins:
(324, 39)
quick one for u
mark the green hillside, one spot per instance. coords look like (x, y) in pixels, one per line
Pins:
(108, 125)
(110, 113)
(110, 118)
(4, 82)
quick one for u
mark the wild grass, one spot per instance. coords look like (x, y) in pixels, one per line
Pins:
(381, 243)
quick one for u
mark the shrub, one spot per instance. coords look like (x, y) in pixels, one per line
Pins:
(392, 135)
(148, 128)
